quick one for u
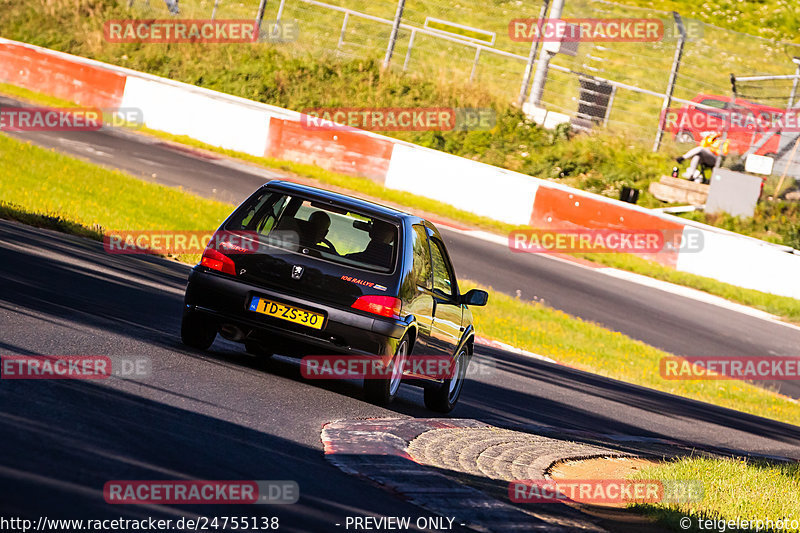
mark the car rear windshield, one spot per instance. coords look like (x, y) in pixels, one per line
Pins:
(318, 229)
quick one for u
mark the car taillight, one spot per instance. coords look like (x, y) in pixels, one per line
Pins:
(387, 306)
(217, 261)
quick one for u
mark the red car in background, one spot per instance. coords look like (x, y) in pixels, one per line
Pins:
(750, 123)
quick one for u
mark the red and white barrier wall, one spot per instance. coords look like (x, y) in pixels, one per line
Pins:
(70, 78)
(235, 124)
(345, 152)
(745, 262)
(476, 187)
(259, 129)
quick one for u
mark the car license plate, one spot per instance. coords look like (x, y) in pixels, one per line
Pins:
(287, 312)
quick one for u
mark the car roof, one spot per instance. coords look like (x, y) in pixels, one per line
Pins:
(340, 199)
(740, 101)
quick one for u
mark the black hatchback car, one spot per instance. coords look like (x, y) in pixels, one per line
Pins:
(298, 270)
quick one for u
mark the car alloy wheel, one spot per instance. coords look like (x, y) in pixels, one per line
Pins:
(383, 390)
(443, 398)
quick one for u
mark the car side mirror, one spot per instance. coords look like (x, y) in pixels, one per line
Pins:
(475, 297)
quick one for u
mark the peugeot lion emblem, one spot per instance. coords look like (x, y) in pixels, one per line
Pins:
(297, 272)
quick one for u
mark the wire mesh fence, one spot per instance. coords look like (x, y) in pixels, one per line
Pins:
(768, 118)
(470, 41)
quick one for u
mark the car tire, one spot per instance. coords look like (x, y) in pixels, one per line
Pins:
(197, 331)
(443, 398)
(383, 391)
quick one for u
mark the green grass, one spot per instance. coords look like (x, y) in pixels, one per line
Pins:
(49, 189)
(771, 19)
(641, 64)
(47, 183)
(781, 306)
(55, 222)
(746, 490)
(33, 96)
(302, 76)
(540, 329)
(788, 308)
(777, 222)
(313, 73)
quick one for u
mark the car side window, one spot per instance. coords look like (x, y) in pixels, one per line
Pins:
(442, 270)
(261, 213)
(422, 257)
(719, 104)
(265, 225)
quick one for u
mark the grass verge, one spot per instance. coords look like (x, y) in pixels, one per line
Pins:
(319, 71)
(53, 190)
(588, 346)
(50, 184)
(733, 489)
(782, 306)
(54, 222)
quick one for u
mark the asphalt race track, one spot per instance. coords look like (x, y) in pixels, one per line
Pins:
(667, 321)
(223, 414)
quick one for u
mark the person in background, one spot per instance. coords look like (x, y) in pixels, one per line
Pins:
(710, 149)
(172, 5)
(379, 250)
(316, 230)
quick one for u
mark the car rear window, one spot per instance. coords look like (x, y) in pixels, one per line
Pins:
(333, 233)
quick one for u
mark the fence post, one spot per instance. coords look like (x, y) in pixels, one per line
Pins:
(475, 63)
(280, 13)
(540, 76)
(526, 79)
(398, 16)
(610, 103)
(673, 74)
(727, 126)
(794, 83)
(408, 52)
(262, 4)
(344, 28)
(786, 168)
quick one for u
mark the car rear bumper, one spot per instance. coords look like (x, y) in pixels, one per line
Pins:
(226, 300)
